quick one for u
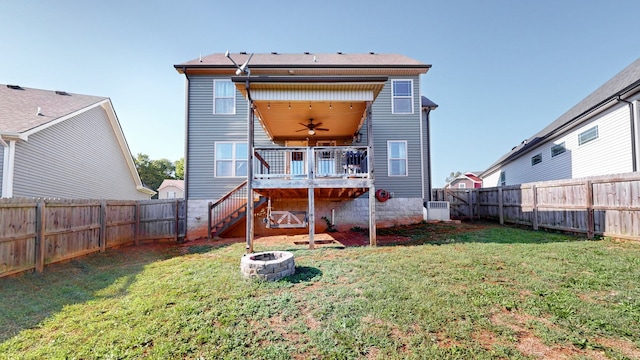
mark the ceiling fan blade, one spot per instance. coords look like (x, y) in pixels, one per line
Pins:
(318, 124)
(305, 125)
(321, 129)
(302, 130)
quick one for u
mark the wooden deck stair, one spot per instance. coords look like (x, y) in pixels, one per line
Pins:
(231, 209)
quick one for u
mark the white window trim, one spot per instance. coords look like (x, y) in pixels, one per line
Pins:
(393, 97)
(564, 147)
(223, 97)
(536, 155)
(233, 159)
(580, 143)
(406, 159)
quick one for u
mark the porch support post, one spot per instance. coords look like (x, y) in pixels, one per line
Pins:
(372, 187)
(250, 205)
(310, 190)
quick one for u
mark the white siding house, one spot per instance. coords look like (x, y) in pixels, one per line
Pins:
(598, 136)
(55, 144)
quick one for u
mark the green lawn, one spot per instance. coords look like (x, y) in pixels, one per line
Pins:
(481, 293)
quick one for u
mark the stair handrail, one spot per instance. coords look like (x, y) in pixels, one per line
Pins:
(226, 205)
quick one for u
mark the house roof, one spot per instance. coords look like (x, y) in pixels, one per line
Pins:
(426, 103)
(171, 182)
(23, 109)
(306, 64)
(307, 60)
(623, 85)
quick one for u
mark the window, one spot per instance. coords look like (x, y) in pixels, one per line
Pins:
(224, 97)
(402, 96)
(171, 194)
(588, 135)
(462, 186)
(397, 158)
(536, 159)
(231, 159)
(503, 178)
(558, 149)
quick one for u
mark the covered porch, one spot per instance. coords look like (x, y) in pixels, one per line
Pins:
(318, 123)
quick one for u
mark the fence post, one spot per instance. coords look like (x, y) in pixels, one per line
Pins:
(470, 201)
(103, 226)
(177, 218)
(136, 231)
(40, 231)
(590, 215)
(500, 206)
(209, 220)
(534, 221)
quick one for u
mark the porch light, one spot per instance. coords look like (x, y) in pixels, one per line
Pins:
(312, 132)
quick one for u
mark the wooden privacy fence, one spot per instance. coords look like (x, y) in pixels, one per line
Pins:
(36, 232)
(603, 205)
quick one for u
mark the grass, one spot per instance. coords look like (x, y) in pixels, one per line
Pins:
(451, 292)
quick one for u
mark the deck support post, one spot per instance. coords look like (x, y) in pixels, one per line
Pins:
(372, 188)
(250, 155)
(311, 208)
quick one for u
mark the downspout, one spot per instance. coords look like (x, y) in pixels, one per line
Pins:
(428, 112)
(632, 126)
(186, 154)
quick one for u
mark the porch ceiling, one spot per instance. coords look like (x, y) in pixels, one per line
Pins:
(285, 104)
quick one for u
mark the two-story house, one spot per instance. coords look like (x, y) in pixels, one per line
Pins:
(300, 142)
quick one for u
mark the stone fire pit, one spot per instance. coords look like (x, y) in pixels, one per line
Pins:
(269, 265)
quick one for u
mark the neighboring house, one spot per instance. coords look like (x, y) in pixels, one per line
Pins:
(307, 130)
(467, 180)
(598, 136)
(55, 144)
(171, 189)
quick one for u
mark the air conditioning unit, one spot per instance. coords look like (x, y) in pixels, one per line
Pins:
(438, 210)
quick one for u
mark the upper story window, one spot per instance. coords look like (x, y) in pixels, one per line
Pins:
(536, 159)
(397, 158)
(171, 194)
(231, 159)
(503, 178)
(224, 97)
(586, 136)
(462, 186)
(558, 149)
(402, 94)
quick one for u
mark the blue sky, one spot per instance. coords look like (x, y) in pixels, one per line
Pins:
(502, 69)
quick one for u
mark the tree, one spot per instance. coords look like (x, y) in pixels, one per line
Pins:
(179, 164)
(452, 176)
(153, 172)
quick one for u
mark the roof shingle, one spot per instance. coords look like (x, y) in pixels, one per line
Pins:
(19, 107)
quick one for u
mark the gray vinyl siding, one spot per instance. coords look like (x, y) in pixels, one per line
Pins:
(388, 126)
(78, 158)
(204, 129)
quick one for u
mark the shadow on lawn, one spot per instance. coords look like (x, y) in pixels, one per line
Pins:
(29, 298)
(303, 274)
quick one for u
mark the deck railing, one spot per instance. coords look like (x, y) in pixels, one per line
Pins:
(293, 162)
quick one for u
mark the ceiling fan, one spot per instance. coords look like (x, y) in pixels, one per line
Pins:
(311, 128)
